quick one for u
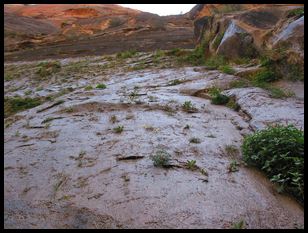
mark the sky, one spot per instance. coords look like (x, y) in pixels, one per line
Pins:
(162, 9)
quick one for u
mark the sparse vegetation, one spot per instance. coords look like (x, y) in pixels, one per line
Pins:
(126, 54)
(189, 107)
(161, 158)
(220, 99)
(239, 225)
(45, 69)
(118, 129)
(101, 86)
(13, 105)
(215, 61)
(232, 104)
(88, 88)
(218, 39)
(231, 150)
(296, 12)
(191, 164)
(239, 83)
(195, 140)
(233, 166)
(227, 69)
(187, 127)
(279, 152)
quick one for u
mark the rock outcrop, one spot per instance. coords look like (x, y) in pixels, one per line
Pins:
(252, 30)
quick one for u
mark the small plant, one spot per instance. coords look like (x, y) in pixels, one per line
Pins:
(13, 105)
(215, 61)
(101, 86)
(69, 110)
(133, 95)
(88, 88)
(233, 166)
(191, 164)
(204, 171)
(175, 82)
(39, 89)
(161, 158)
(279, 152)
(220, 99)
(17, 134)
(118, 129)
(113, 119)
(226, 69)
(239, 225)
(232, 104)
(45, 69)
(188, 107)
(195, 140)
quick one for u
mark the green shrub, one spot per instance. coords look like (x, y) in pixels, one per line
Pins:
(238, 84)
(226, 69)
(279, 152)
(220, 99)
(296, 12)
(161, 158)
(215, 61)
(265, 76)
(126, 54)
(88, 88)
(191, 164)
(101, 86)
(189, 107)
(45, 69)
(118, 129)
(13, 105)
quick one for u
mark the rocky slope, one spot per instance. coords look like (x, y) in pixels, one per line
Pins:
(88, 29)
(98, 177)
(239, 31)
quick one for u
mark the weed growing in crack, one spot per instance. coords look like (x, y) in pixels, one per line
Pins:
(239, 225)
(118, 129)
(189, 107)
(191, 164)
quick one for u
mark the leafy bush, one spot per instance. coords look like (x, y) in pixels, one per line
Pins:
(161, 158)
(220, 99)
(265, 76)
(279, 152)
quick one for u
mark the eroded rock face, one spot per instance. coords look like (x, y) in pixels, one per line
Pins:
(251, 31)
(236, 43)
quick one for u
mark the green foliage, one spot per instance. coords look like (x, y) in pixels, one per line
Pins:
(215, 61)
(233, 166)
(191, 164)
(13, 105)
(101, 86)
(239, 225)
(127, 54)
(161, 158)
(239, 83)
(189, 107)
(118, 129)
(279, 152)
(113, 119)
(195, 140)
(265, 76)
(226, 69)
(28, 92)
(88, 88)
(296, 12)
(218, 39)
(232, 104)
(220, 99)
(45, 69)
